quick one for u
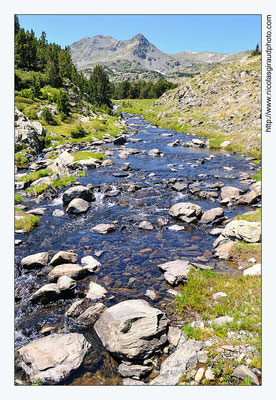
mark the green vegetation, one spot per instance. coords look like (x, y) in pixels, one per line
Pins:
(78, 132)
(255, 216)
(36, 190)
(141, 89)
(242, 303)
(20, 159)
(256, 52)
(63, 181)
(24, 221)
(84, 155)
(17, 199)
(33, 176)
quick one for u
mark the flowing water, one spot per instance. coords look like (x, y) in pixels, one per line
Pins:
(130, 255)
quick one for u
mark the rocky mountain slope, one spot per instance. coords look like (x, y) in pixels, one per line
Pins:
(140, 56)
(224, 103)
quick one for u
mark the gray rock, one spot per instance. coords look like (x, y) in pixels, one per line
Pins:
(254, 270)
(46, 180)
(132, 329)
(54, 357)
(250, 232)
(37, 211)
(95, 291)
(128, 370)
(243, 372)
(90, 316)
(197, 324)
(74, 271)
(145, 225)
(202, 356)
(209, 375)
(63, 257)
(37, 260)
(103, 228)
(58, 213)
(132, 382)
(151, 294)
(77, 206)
(174, 335)
(61, 163)
(216, 231)
(212, 215)
(107, 163)
(155, 152)
(89, 163)
(230, 192)
(188, 210)
(91, 261)
(176, 271)
(66, 283)
(179, 186)
(219, 295)
(182, 360)
(220, 321)
(119, 140)
(80, 192)
(176, 228)
(47, 293)
(199, 375)
(28, 134)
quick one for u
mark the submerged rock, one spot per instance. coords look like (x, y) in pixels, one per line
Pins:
(145, 225)
(103, 228)
(95, 291)
(154, 152)
(54, 357)
(128, 370)
(132, 329)
(90, 316)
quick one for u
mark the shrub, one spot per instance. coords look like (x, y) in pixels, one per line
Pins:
(47, 116)
(78, 132)
(17, 199)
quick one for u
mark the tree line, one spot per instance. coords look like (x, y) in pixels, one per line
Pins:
(141, 89)
(51, 65)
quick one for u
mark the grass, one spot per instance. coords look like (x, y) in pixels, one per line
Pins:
(256, 216)
(243, 304)
(36, 190)
(63, 181)
(84, 155)
(24, 221)
(17, 199)
(33, 176)
(20, 159)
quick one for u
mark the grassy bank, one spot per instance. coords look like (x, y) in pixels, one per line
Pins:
(242, 302)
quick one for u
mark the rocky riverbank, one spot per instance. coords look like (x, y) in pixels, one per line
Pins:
(96, 281)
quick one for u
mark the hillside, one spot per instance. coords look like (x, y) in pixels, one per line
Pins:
(223, 104)
(137, 56)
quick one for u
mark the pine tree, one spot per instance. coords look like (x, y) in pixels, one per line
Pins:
(99, 87)
(16, 25)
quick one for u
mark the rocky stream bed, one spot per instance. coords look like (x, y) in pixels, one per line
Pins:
(114, 275)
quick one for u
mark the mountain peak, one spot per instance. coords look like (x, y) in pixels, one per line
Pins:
(140, 37)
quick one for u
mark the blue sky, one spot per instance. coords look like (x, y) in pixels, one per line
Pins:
(170, 33)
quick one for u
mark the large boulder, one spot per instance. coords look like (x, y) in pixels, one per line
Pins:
(47, 293)
(230, 192)
(63, 257)
(54, 357)
(28, 134)
(182, 360)
(62, 162)
(132, 329)
(77, 206)
(187, 212)
(37, 260)
(250, 232)
(175, 271)
(74, 271)
(212, 215)
(95, 291)
(80, 192)
(253, 196)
